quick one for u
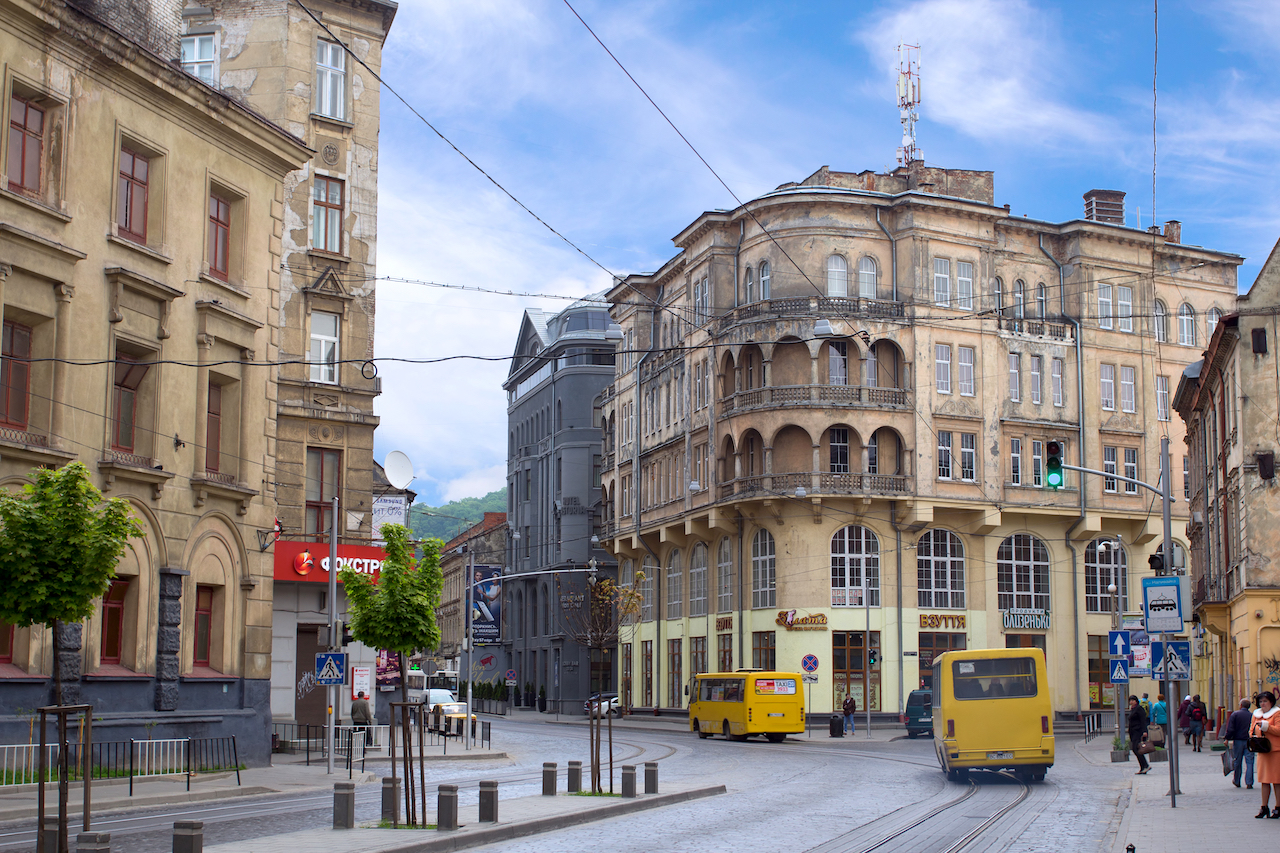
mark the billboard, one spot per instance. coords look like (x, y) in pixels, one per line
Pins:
(486, 605)
(309, 561)
(388, 669)
(388, 509)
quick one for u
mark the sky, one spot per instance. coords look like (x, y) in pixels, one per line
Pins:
(1055, 98)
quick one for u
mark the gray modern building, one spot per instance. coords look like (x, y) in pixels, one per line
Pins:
(562, 362)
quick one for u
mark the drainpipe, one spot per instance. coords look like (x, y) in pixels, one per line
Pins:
(737, 250)
(741, 648)
(897, 532)
(893, 255)
(1075, 571)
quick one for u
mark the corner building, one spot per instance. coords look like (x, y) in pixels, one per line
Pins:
(827, 426)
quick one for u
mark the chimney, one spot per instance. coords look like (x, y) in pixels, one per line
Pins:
(1173, 231)
(1104, 206)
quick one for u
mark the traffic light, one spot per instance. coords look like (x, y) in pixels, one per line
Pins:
(344, 633)
(873, 657)
(1053, 464)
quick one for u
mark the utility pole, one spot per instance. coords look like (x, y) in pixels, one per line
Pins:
(334, 641)
(469, 641)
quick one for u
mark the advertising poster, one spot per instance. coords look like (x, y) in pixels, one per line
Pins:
(486, 605)
(361, 681)
(388, 509)
(1140, 645)
(388, 669)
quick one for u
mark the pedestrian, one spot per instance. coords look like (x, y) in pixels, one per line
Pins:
(1237, 733)
(850, 707)
(1199, 716)
(1266, 724)
(1145, 702)
(361, 716)
(1160, 711)
(1138, 732)
(1184, 719)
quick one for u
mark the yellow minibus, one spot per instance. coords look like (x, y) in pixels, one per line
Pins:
(991, 711)
(744, 703)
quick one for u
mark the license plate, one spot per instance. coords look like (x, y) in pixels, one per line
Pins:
(999, 755)
(777, 715)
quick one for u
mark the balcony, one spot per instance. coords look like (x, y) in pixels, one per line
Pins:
(817, 396)
(1037, 329)
(857, 483)
(826, 306)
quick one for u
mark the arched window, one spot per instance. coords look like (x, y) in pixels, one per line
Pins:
(1022, 573)
(698, 580)
(1160, 319)
(1210, 323)
(519, 610)
(940, 570)
(837, 276)
(867, 277)
(764, 279)
(1019, 300)
(724, 577)
(837, 363)
(855, 567)
(559, 415)
(997, 296)
(650, 568)
(764, 570)
(675, 586)
(1187, 325)
(749, 286)
(1105, 564)
(1042, 302)
(546, 612)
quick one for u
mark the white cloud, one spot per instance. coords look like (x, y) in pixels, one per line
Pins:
(476, 483)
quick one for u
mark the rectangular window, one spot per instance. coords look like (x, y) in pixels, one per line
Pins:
(968, 449)
(1059, 398)
(1104, 306)
(839, 450)
(113, 621)
(1109, 466)
(213, 430)
(942, 371)
(837, 363)
(1036, 382)
(1131, 469)
(675, 673)
(219, 237)
(1015, 461)
(331, 80)
(1162, 397)
(204, 625)
(965, 356)
(964, 285)
(1186, 478)
(1124, 306)
(15, 375)
(762, 650)
(724, 653)
(1037, 464)
(128, 379)
(323, 355)
(326, 214)
(944, 454)
(1107, 386)
(941, 282)
(675, 589)
(198, 57)
(1015, 376)
(1126, 389)
(697, 655)
(26, 145)
(324, 480)
(131, 204)
(646, 672)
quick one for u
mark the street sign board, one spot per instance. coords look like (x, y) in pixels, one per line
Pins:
(511, 675)
(1119, 671)
(810, 663)
(809, 677)
(1163, 605)
(331, 667)
(1171, 661)
(1118, 642)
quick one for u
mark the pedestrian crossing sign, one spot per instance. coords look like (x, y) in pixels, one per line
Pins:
(1120, 672)
(331, 667)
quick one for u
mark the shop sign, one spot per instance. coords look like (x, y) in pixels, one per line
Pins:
(309, 561)
(939, 620)
(724, 623)
(813, 622)
(1025, 619)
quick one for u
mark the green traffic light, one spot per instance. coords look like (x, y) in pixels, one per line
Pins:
(1053, 465)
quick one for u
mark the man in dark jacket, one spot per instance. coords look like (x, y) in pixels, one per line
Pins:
(1138, 732)
(850, 707)
(1237, 732)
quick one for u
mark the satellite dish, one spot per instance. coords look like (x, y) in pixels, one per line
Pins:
(398, 468)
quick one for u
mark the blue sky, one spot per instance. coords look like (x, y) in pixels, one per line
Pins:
(1056, 98)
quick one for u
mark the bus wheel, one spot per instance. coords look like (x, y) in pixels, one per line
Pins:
(776, 737)
(958, 774)
(726, 729)
(701, 733)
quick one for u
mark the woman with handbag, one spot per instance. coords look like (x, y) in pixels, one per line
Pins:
(1264, 740)
(1138, 734)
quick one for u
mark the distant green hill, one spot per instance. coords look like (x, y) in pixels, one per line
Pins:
(446, 522)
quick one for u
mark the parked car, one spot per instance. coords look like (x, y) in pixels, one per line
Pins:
(447, 717)
(919, 715)
(608, 703)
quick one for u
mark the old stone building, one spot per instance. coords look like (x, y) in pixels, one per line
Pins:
(1229, 402)
(142, 223)
(827, 432)
(475, 556)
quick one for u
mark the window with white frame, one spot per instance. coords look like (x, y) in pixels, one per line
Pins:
(839, 452)
(1186, 478)
(764, 571)
(855, 567)
(1109, 466)
(1019, 300)
(1211, 319)
(837, 363)
(1036, 380)
(968, 454)
(764, 280)
(749, 284)
(1127, 397)
(941, 282)
(1015, 376)
(1124, 308)
(867, 277)
(1131, 469)
(675, 586)
(1015, 461)
(1160, 320)
(1042, 302)
(1022, 573)
(1037, 464)
(837, 276)
(1162, 397)
(724, 577)
(942, 368)
(1104, 306)
(944, 454)
(873, 464)
(331, 80)
(649, 568)
(1059, 397)
(1186, 325)
(965, 357)
(940, 570)
(1107, 386)
(870, 370)
(1105, 564)
(997, 296)
(199, 57)
(323, 355)
(964, 285)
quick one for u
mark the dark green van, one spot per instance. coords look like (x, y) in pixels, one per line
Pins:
(919, 715)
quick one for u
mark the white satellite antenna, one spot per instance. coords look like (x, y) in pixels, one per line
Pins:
(398, 468)
(908, 100)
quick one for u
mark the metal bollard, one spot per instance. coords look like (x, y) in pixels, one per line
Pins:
(447, 807)
(628, 780)
(188, 836)
(391, 799)
(488, 802)
(344, 805)
(575, 777)
(651, 777)
(93, 842)
(548, 778)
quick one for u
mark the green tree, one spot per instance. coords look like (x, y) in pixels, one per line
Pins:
(399, 611)
(59, 545)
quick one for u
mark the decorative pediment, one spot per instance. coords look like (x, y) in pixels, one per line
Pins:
(120, 280)
(1122, 424)
(328, 284)
(958, 407)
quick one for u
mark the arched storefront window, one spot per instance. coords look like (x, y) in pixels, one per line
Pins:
(855, 568)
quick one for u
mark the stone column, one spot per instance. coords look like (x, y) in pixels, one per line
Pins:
(169, 638)
(69, 636)
(204, 346)
(61, 351)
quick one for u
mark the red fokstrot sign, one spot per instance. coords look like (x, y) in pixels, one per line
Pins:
(309, 561)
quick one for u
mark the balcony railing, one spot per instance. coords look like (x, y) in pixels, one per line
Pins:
(222, 477)
(857, 483)
(826, 396)
(1036, 328)
(814, 305)
(17, 436)
(120, 457)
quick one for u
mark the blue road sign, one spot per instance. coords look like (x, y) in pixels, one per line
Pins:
(1120, 671)
(1163, 606)
(331, 667)
(810, 663)
(1171, 661)
(1118, 642)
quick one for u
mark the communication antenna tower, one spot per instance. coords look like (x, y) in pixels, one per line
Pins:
(908, 100)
